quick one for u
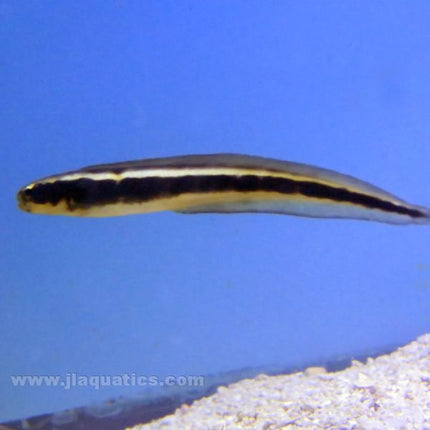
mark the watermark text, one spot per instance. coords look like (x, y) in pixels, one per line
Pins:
(76, 380)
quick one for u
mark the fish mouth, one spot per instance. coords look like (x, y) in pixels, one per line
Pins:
(23, 199)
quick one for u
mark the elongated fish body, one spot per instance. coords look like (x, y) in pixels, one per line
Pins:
(216, 183)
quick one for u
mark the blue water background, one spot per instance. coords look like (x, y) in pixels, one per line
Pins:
(343, 85)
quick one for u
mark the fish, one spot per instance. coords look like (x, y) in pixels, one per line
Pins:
(215, 183)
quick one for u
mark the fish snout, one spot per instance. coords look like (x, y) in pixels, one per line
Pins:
(24, 198)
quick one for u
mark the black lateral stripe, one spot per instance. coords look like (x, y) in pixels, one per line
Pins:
(84, 193)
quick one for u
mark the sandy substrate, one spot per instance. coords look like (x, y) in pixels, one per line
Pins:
(389, 392)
